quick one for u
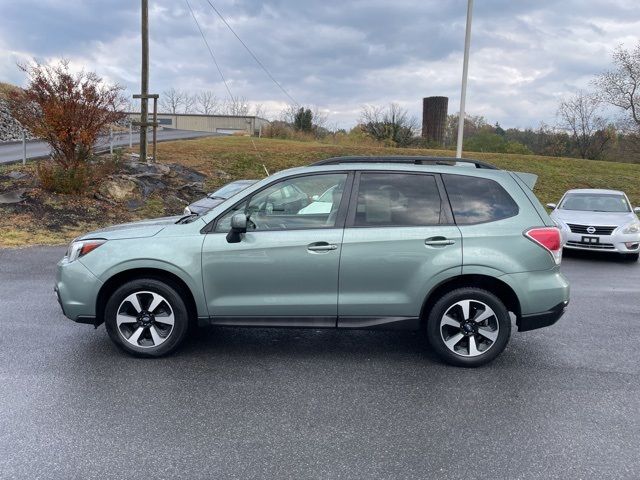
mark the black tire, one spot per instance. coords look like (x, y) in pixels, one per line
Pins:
(500, 321)
(632, 257)
(174, 336)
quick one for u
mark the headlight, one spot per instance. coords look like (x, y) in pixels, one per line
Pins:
(80, 248)
(633, 227)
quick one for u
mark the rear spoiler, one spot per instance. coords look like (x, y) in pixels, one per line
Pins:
(529, 179)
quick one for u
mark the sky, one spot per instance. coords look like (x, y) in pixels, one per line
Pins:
(526, 55)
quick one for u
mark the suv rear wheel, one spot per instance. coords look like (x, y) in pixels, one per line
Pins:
(468, 327)
(146, 318)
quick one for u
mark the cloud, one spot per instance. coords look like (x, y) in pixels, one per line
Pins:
(338, 55)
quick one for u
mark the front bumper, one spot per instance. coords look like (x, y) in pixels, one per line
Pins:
(540, 320)
(76, 289)
(614, 243)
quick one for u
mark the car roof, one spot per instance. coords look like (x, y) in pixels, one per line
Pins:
(596, 191)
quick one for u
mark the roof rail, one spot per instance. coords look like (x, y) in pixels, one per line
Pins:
(415, 160)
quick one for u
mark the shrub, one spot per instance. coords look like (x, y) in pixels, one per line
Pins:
(69, 111)
(56, 178)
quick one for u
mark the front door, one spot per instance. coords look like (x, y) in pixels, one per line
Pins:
(399, 243)
(284, 271)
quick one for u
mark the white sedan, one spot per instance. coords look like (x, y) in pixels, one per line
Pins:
(598, 220)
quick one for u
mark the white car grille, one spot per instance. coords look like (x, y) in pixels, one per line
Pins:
(599, 230)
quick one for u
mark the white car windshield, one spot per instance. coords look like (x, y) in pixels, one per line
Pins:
(327, 196)
(595, 202)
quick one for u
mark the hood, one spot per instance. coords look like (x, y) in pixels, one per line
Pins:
(143, 228)
(594, 218)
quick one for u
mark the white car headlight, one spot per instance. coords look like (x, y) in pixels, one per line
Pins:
(80, 248)
(633, 227)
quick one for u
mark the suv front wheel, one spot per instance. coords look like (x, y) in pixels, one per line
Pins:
(468, 327)
(146, 317)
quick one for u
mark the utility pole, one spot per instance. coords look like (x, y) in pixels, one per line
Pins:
(144, 95)
(144, 88)
(465, 73)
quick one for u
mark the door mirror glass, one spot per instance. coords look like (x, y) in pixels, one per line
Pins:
(551, 206)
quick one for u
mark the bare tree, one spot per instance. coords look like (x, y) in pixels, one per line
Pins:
(621, 85)
(320, 117)
(172, 101)
(580, 116)
(288, 114)
(207, 103)
(236, 106)
(259, 111)
(392, 125)
(189, 103)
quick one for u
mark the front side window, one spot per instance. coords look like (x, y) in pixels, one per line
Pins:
(478, 200)
(398, 200)
(289, 204)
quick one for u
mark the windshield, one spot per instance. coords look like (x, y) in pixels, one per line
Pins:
(595, 202)
(231, 189)
(327, 197)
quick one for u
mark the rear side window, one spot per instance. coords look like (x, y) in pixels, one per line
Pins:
(478, 200)
(397, 200)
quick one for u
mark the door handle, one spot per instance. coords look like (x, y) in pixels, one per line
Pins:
(321, 247)
(438, 242)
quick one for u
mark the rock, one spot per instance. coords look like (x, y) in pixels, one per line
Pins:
(12, 196)
(17, 175)
(149, 169)
(134, 204)
(10, 129)
(119, 188)
(186, 173)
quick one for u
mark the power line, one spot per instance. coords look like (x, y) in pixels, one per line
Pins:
(253, 55)
(210, 51)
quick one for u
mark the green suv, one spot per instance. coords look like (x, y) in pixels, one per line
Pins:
(455, 247)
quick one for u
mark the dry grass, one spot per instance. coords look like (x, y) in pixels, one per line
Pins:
(238, 157)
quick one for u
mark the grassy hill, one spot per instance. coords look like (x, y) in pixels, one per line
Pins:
(46, 218)
(243, 158)
(6, 89)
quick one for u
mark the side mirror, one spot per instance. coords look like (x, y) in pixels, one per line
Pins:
(238, 227)
(551, 206)
(315, 197)
(637, 210)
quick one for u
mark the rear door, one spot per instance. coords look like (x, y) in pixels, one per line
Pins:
(399, 242)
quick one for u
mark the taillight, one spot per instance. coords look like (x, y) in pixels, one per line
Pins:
(549, 239)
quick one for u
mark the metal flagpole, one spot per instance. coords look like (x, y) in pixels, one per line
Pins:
(465, 73)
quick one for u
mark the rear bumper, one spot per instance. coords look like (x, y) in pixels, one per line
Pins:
(539, 320)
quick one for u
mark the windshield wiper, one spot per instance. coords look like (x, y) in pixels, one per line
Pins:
(187, 218)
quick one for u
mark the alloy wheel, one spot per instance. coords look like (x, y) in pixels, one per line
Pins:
(145, 319)
(469, 328)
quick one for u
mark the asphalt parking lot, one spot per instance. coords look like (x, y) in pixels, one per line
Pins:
(562, 402)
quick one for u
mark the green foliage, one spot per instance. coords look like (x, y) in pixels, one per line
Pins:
(492, 142)
(303, 120)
